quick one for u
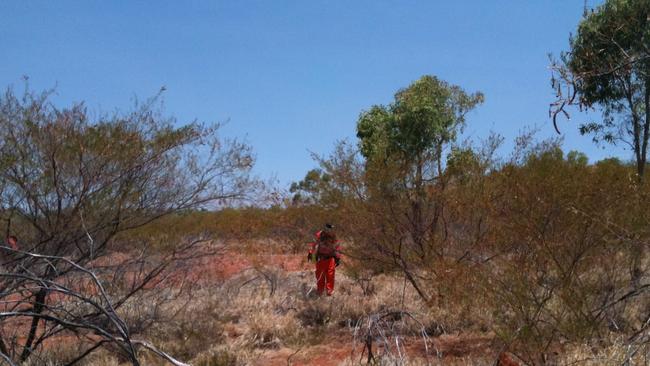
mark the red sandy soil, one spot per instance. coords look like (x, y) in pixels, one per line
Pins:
(340, 348)
(229, 264)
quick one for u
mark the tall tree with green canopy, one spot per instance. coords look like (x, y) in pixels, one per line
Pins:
(404, 146)
(309, 189)
(608, 67)
(416, 127)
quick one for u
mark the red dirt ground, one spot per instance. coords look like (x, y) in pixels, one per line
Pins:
(451, 347)
(340, 348)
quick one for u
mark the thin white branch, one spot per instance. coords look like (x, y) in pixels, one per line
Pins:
(160, 353)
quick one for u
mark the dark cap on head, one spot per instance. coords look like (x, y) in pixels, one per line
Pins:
(329, 226)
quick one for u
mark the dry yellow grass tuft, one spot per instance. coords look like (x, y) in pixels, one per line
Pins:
(269, 316)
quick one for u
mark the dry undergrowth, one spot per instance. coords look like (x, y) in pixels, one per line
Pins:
(268, 316)
(266, 313)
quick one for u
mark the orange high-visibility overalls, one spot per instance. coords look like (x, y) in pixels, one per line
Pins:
(326, 260)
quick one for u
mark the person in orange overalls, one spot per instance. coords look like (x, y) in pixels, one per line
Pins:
(326, 252)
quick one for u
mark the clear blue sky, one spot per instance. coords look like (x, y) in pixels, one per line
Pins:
(293, 76)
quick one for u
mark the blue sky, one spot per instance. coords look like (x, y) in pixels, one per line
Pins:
(292, 76)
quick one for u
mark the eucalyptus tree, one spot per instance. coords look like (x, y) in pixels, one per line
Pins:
(608, 67)
(404, 145)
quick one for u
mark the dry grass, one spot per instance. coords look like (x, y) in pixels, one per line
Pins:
(266, 316)
(617, 353)
(265, 312)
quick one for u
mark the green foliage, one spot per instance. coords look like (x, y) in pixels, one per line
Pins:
(548, 241)
(424, 116)
(608, 67)
(577, 158)
(309, 190)
(392, 196)
(463, 162)
(372, 129)
(611, 45)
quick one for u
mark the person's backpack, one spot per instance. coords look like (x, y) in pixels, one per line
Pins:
(326, 246)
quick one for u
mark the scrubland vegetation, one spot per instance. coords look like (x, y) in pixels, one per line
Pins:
(144, 241)
(541, 256)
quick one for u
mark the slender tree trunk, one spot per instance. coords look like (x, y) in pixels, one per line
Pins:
(414, 282)
(638, 131)
(39, 305)
(646, 130)
(638, 252)
(417, 209)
